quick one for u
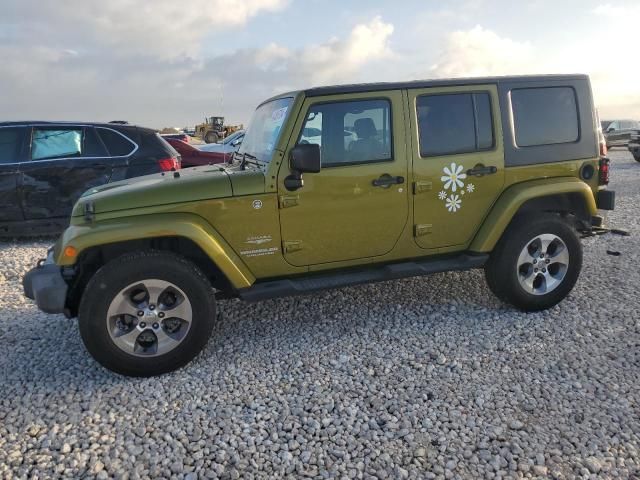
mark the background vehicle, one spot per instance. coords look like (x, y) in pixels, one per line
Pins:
(177, 136)
(501, 173)
(227, 146)
(634, 145)
(46, 166)
(192, 157)
(618, 132)
(213, 129)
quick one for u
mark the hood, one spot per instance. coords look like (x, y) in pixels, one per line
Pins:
(186, 185)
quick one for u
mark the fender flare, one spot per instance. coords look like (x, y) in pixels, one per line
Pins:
(510, 202)
(141, 227)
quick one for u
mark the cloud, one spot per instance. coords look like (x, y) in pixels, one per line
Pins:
(60, 82)
(481, 52)
(130, 27)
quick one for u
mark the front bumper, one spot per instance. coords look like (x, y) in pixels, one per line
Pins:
(46, 286)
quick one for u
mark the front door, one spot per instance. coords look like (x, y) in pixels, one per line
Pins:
(11, 152)
(458, 162)
(357, 205)
(64, 162)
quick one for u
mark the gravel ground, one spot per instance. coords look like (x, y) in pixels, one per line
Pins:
(419, 378)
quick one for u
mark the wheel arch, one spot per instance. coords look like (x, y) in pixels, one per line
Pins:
(566, 196)
(182, 234)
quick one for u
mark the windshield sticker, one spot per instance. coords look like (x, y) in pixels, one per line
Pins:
(279, 114)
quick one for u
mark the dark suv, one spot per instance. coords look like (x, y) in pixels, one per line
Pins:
(46, 166)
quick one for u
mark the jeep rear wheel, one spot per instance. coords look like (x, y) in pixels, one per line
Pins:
(536, 263)
(146, 313)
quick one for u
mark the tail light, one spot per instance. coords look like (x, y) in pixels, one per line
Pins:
(603, 176)
(168, 164)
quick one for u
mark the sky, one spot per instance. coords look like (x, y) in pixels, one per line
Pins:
(168, 63)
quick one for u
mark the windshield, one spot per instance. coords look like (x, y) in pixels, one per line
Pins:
(264, 129)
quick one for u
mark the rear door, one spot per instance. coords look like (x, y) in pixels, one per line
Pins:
(62, 163)
(11, 154)
(458, 162)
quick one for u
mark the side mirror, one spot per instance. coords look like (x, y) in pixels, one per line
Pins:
(305, 158)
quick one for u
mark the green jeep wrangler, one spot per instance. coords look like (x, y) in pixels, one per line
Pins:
(338, 186)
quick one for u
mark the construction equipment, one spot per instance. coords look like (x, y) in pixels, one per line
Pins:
(213, 129)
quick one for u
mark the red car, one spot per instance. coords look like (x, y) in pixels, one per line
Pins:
(192, 157)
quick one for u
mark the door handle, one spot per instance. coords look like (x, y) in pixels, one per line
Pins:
(386, 180)
(479, 170)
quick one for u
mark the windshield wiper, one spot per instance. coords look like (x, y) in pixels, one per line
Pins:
(247, 157)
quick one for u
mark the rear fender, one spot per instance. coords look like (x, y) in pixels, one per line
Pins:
(515, 197)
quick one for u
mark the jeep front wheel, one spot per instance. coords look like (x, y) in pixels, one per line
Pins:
(536, 263)
(146, 313)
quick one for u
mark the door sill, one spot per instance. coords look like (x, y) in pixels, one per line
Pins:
(343, 278)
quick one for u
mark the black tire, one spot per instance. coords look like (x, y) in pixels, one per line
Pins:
(211, 137)
(501, 271)
(636, 157)
(115, 276)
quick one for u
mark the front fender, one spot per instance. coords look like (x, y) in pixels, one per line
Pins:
(514, 197)
(186, 225)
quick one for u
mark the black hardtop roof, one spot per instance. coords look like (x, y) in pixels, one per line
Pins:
(441, 82)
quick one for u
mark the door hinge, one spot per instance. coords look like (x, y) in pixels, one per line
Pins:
(287, 201)
(422, 186)
(290, 246)
(421, 230)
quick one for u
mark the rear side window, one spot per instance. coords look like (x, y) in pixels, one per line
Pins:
(93, 146)
(10, 143)
(56, 143)
(545, 116)
(457, 123)
(117, 144)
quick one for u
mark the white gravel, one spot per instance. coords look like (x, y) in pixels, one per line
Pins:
(419, 378)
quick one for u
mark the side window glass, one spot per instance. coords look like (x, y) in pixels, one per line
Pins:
(450, 124)
(93, 146)
(545, 116)
(117, 145)
(56, 143)
(350, 133)
(10, 143)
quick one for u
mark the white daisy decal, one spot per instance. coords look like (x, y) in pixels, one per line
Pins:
(454, 202)
(453, 177)
(442, 195)
(462, 191)
(471, 187)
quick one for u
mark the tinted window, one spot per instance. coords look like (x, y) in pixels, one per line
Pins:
(93, 146)
(350, 132)
(117, 144)
(454, 123)
(545, 116)
(10, 143)
(56, 143)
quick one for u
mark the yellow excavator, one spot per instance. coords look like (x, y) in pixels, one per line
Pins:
(213, 129)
